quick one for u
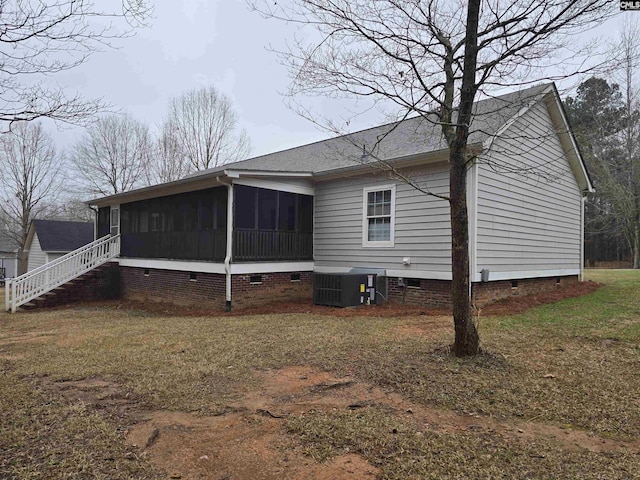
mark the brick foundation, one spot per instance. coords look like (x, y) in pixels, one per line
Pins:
(101, 283)
(275, 287)
(437, 293)
(432, 293)
(208, 289)
(488, 292)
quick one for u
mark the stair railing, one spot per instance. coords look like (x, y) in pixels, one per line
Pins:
(45, 278)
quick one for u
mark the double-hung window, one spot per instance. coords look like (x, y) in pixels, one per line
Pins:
(379, 216)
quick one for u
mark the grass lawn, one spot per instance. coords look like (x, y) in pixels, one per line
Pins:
(571, 367)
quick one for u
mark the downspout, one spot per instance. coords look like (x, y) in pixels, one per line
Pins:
(582, 202)
(229, 254)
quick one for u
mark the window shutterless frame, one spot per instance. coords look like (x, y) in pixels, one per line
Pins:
(115, 220)
(378, 216)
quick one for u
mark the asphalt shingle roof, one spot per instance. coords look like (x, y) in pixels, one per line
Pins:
(413, 136)
(62, 236)
(405, 139)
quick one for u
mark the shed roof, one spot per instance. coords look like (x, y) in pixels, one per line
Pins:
(62, 236)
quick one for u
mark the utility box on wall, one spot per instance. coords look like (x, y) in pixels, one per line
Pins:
(344, 289)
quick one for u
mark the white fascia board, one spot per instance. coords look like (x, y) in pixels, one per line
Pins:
(265, 173)
(276, 184)
(189, 184)
(181, 265)
(567, 133)
(516, 275)
(270, 267)
(326, 269)
(211, 267)
(423, 274)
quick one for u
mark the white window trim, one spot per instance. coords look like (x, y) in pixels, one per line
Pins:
(365, 223)
(114, 208)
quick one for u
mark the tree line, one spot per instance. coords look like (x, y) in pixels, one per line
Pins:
(605, 116)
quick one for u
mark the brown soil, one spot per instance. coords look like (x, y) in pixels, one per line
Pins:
(248, 441)
(514, 305)
(507, 306)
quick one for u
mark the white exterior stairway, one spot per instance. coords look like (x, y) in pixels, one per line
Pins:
(38, 282)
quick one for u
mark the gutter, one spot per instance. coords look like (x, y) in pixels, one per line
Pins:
(228, 256)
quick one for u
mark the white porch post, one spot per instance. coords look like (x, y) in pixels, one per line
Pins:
(227, 260)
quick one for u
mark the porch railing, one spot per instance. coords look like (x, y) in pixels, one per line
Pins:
(271, 245)
(45, 278)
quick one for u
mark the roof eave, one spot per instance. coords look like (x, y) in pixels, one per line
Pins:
(163, 189)
(559, 117)
(237, 173)
(415, 160)
(200, 182)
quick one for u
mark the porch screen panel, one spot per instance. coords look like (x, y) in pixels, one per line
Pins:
(104, 221)
(272, 225)
(182, 227)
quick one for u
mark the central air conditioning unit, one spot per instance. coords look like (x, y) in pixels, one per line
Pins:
(344, 289)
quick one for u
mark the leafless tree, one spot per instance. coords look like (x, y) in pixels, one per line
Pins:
(113, 155)
(618, 168)
(433, 58)
(167, 163)
(31, 177)
(203, 128)
(41, 39)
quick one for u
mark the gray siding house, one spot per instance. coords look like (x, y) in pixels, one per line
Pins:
(372, 201)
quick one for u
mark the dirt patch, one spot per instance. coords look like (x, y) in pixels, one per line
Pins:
(248, 441)
(427, 327)
(28, 337)
(507, 306)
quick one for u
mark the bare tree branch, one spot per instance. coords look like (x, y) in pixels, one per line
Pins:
(30, 177)
(41, 39)
(113, 155)
(202, 128)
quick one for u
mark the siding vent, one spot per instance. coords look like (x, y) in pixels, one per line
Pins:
(146, 272)
(514, 284)
(193, 276)
(558, 281)
(295, 277)
(255, 279)
(413, 283)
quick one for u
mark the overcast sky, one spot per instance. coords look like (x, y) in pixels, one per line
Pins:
(193, 43)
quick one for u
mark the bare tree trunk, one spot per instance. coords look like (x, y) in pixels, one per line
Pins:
(467, 341)
(636, 246)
